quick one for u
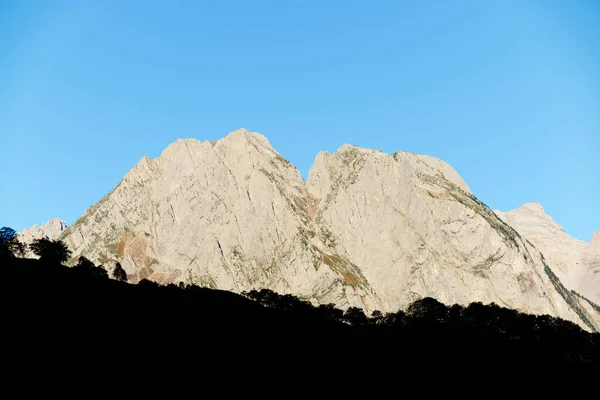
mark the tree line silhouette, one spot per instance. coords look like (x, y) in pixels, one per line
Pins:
(78, 304)
(51, 252)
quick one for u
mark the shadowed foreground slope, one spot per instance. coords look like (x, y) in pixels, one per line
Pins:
(55, 307)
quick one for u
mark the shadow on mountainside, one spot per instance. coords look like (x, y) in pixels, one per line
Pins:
(80, 310)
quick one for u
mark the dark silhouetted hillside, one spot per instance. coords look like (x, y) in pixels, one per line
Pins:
(81, 312)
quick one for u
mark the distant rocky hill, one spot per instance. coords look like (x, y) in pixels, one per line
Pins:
(50, 230)
(367, 229)
(575, 262)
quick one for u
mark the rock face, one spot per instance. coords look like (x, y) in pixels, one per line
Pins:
(50, 230)
(576, 263)
(367, 229)
(589, 285)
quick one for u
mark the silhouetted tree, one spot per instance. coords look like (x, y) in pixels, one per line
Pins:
(149, 284)
(86, 265)
(18, 248)
(51, 251)
(376, 317)
(397, 319)
(10, 246)
(291, 302)
(428, 310)
(330, 311)
(355, 316)
(6, 234)
(119, 273)
(266, 297)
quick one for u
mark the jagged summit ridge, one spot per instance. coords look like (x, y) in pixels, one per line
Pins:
(366, 229)
(49, 230)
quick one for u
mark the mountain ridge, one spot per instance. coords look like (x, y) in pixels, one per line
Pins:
(366, 229)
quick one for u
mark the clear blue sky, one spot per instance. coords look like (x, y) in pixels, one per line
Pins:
(507, 92)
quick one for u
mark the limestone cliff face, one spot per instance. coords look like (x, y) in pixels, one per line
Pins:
(367, 229)
(575, 262)
(231, 214)
(414, 228)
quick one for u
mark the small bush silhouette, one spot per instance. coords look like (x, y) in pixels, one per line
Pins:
(86, 265)
(119, 273)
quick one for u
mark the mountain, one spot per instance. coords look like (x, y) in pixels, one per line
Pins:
(367, 229)
(590, 262)
(50, 230)
(575, 262)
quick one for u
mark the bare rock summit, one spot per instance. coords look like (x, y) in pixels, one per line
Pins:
(367, 229)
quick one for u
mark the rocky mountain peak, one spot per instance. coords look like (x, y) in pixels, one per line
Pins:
(532, 218)
(534, 209)
(247, 135)
(346, 147)
(431, 168)
(366, 229)
(50, 230)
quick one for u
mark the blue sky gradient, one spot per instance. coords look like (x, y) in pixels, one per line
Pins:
(507, 92)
